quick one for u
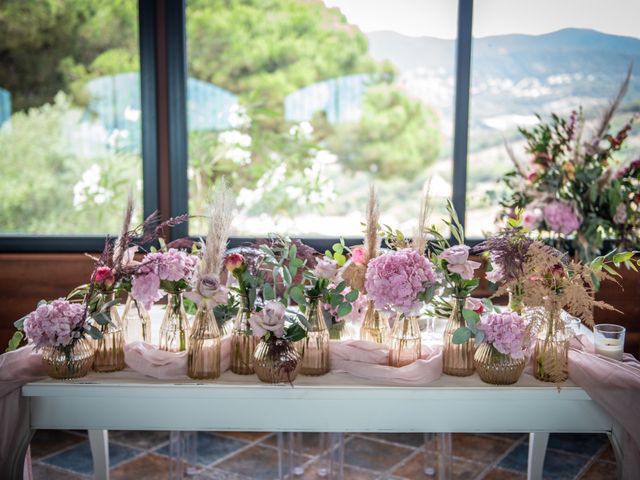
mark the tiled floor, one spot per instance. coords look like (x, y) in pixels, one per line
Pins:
(59, 455)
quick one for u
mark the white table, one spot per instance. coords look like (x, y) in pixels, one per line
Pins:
(334, 402)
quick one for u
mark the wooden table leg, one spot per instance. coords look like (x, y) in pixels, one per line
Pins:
(99, 441)
(537, 450)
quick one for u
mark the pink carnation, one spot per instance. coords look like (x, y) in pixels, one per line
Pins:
(394, 280)
(561, 217)
(505, 331)
(359, 255)
(55, 324)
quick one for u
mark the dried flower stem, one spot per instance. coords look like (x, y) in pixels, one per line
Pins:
(218, 232)
(371, 239)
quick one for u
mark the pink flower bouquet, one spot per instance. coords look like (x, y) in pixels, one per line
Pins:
(55, 324)
(506, 332)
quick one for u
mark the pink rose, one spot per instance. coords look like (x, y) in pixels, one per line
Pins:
(233, 262)
(495, 275)
(532, 218)
(326, 268)
(105, 277)
(465, 270)
(359, 255)
(474, 304)
(532, 177)
(270, 319)
(456, 255)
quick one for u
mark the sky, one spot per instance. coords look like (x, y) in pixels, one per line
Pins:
(437, 18)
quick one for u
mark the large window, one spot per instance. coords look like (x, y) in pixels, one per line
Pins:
(542, 57)
(70, 115)
(302, 105)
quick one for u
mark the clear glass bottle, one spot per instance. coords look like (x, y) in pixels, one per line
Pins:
(243, 342)
(375, 327)
(174, 330)
(276, 361)
(497, 368)
(136, 322)
(457, 359)
(406, 341)
(551, 353)
(203, 360)
(72, 361)
(109, 350)
(315, 347)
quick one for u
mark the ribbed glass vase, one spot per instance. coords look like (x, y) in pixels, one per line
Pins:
(457, 359)
(203, 359)
(495, 367)
(109, 350)
(276, 361)
(136, 322)
(243, 342)
(375, 327)
(551, 352)
(315, 347)
(72, 361)
(174, 331)
(406, 341)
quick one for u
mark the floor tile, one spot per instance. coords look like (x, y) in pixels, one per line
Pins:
(502, 474)
(147, 467)
(246, 436)
(78, 458)
(211, 447)
(45, 472)
(46, 442)
(311, 472)
(587, 444)
(144, 440)
(479, 448)
(373, 455)
(600, 471)
(557, 465)
(311, 442)
(414, 469)
(214, 473)
(256, 462)
(410, 439)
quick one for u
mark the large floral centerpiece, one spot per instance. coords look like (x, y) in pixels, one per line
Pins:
(577, 189)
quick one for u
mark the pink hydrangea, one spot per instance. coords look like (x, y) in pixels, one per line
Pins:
(394, 280)
(561, 217)
(505, 331)
(55, 324)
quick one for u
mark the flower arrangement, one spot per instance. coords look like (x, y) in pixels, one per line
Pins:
(575, 190)
(506, 332)
(56, 324)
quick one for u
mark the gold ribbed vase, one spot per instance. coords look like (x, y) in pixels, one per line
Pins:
(375, 327)
(495, 367)
(243, 342)
(72, 361)
(276, 361)
(406, 341)
(457, 359)
(203, 359)
(109, 350)
(314, 349)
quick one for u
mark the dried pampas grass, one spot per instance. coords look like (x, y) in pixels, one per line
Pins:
(218, 231)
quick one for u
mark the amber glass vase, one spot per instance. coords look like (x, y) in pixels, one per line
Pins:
(375, 327)
(243, 342)
(203, 359)
(495, 367)
(276, 360)
(174, 331)
(72, 361)
(109, 350)
(136, 322)
(314, 349)
(457, 359)
(406, 341)
(551, 353)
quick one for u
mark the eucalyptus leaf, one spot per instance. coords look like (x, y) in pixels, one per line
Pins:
(335, 299)
(338, 248)
(340, 259)
(19, 324)
(352, 296)
(461, 335)
(93, 332)
(479, 336)
(341, 286)
(471, 317)
(268, 292)
(296, 293)
(286, 276)
(15, 341)
(102, 318)
(344, 309)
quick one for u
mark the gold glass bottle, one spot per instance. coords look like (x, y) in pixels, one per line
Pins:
(315, 347)
(109, 350)
(203, 360)
(174, 330)
(276, 360)
(457, 359)
(72, 361)
(551, 353)
(243, 342)
(495, 367)
(406, 341)
(375, 327)
(136, 322)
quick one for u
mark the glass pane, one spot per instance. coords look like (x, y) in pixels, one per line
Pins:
(542, 57)
(69, 115)
(301, 105)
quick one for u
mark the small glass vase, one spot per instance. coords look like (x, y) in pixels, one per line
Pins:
(375, 327)
(406, 341)
(136, 322)
(174, 331)
(515, 300)
(457, 359)
(495, 367)
(314, 349)
(72, 361)
(109, 350)
(203, 359)
(551, 352)
(338, 331)
(243, 342)
(276, 360)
